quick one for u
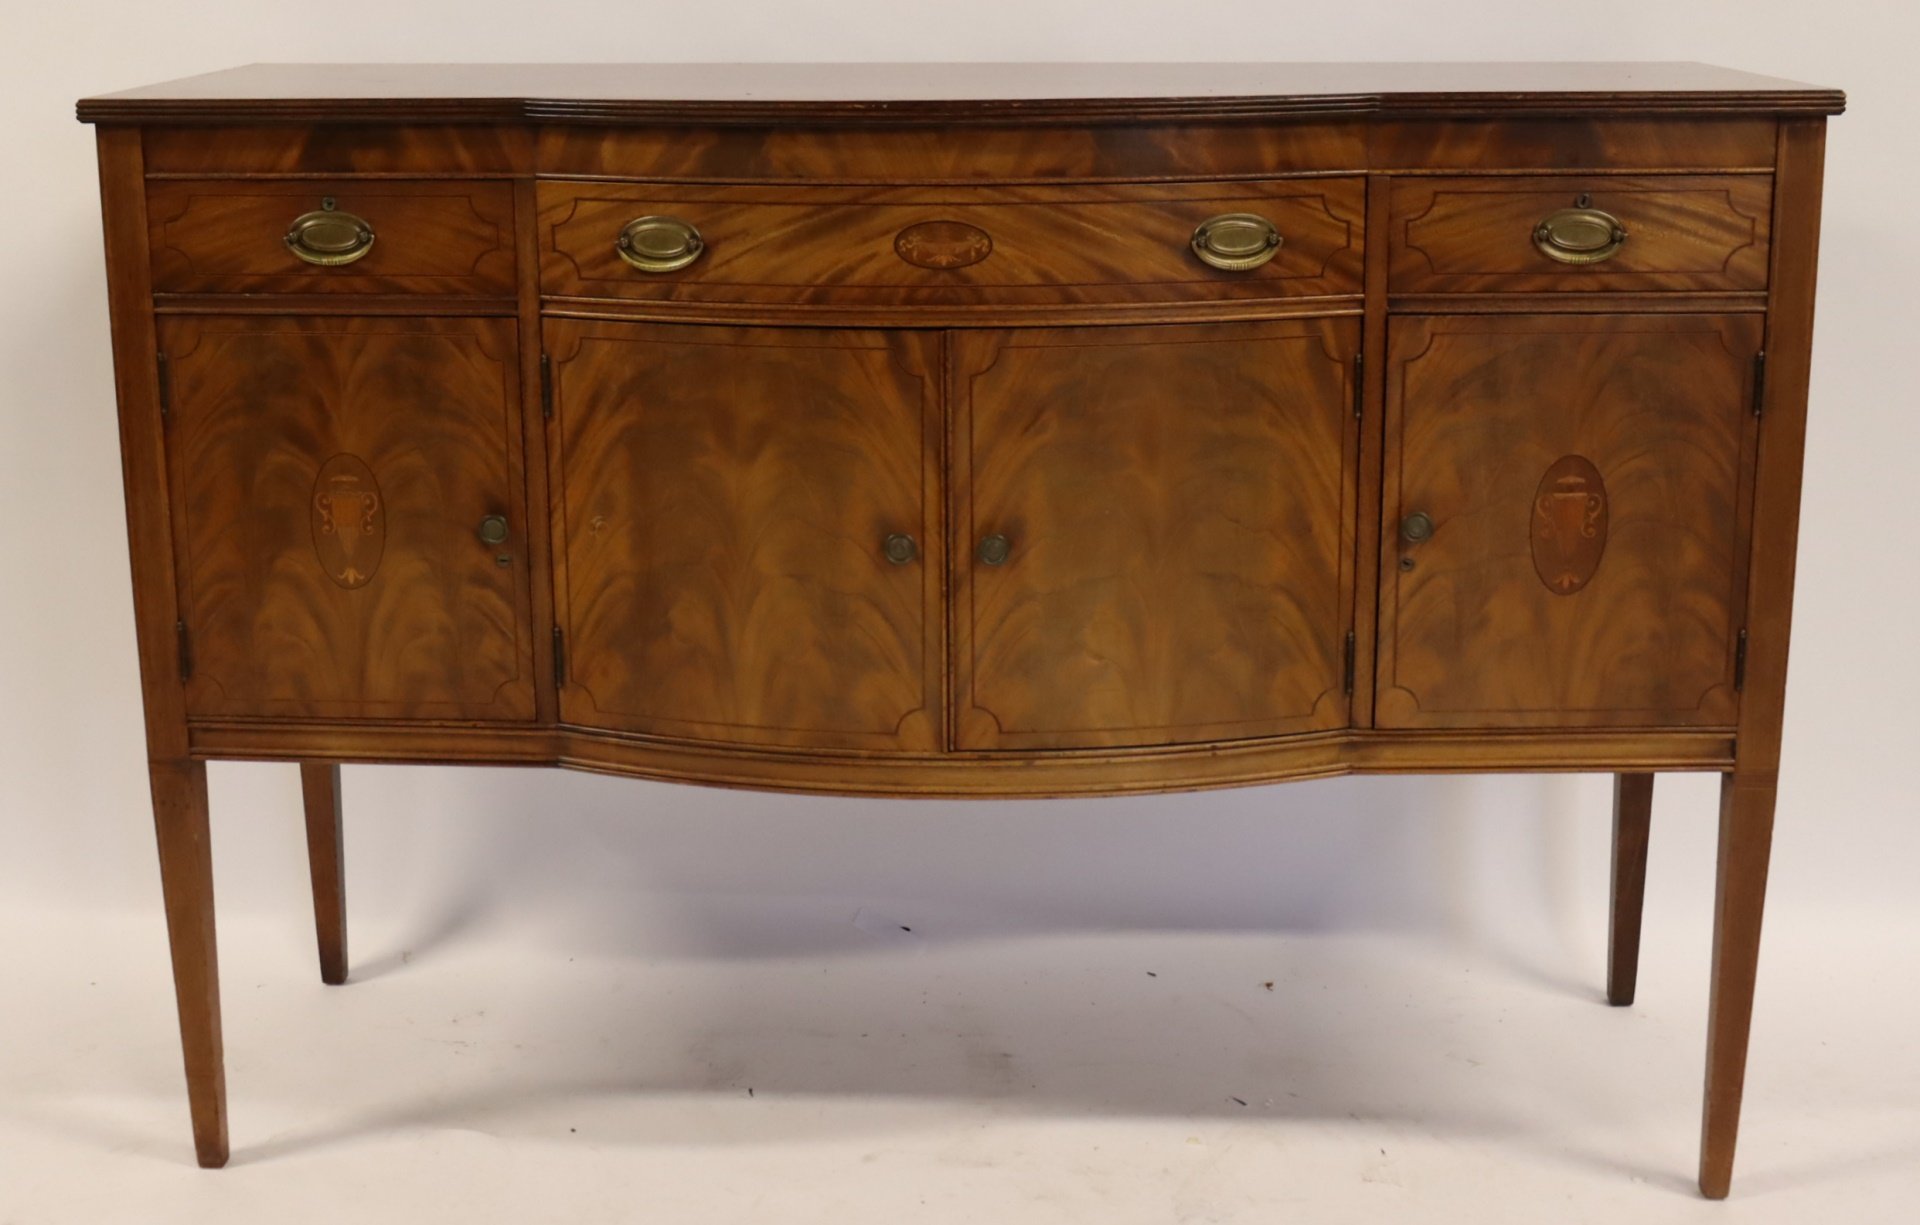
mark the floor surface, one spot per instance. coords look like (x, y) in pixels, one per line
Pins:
(873, 1073)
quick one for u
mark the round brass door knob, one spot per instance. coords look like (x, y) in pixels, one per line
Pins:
(659, 244)
(493, 530)
(1416, 527)
(994, 550)
(899, 548)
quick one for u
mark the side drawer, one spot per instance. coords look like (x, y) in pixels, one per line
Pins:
(422, 237)
(952, 246)
(1579, 233)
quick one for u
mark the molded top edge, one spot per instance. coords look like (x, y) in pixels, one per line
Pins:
(908, 93)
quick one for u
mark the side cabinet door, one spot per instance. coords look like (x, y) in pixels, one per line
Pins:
(1153, 533)
(747, 525)
(330, 481)
(1567, 505)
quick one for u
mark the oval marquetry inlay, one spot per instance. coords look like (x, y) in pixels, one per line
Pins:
(942, 245)
(349, 526)
(1569, 524)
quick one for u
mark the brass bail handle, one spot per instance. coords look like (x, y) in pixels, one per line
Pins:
(659, 243)
(1236, 242)
(328, 237)
(1580, 235)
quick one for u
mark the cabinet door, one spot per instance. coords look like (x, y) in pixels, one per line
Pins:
(748, 529)
(330, 480)
(1566, 506)
(1153, 533)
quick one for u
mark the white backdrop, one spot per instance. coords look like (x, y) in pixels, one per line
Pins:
(573, 861)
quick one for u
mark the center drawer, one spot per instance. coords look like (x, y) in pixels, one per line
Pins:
(952, 246)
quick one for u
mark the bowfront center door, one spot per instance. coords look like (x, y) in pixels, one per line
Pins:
(1566, 503)
(349, 521)
(1153, 532)
(747, 533)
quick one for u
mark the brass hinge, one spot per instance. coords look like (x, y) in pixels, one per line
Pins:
(546, 387)
(1740, 663)
(559, 658)
(1359, 384)
(1759, 382)
(166, 384)
(1347, 667)
(184, 644)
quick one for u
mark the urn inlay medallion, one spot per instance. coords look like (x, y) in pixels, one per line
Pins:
(349, 530)
(1569, 524)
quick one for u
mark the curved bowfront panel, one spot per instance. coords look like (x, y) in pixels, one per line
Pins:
(975, 458)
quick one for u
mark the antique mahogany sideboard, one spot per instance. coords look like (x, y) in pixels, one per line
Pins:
(992, 430)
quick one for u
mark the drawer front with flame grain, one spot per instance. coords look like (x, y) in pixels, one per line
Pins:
(953, 246)
(1583, 233)
(331, 236)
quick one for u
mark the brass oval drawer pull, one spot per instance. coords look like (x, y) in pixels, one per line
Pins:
(329, 237)
(659, 244)
(1236, 242)
(1579, 235)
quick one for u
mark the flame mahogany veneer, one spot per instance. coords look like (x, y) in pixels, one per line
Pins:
(925, 441)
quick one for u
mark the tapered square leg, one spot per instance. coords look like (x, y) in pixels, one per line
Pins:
(186, 881)
(320, 788)
(1746, 840)
(1632, 820)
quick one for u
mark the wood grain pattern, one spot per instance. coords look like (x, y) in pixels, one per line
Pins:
(259, 408)
(1693, 232)
(534, 387)
(828, 245)
(723, 498)
(1632, 825)
(1749, 792)
(178, 785)
(819, 155)
(333, 148)
(986, 315)
(1479, 410)
(1553, 302)
(143, 459)
(228, 236)
(1178, 505)
(1372, 430)
(1534, 146)
(326, 864)
(985, 773)
(1739, 901)
(976, 153)
(917, 94)
(186, 882)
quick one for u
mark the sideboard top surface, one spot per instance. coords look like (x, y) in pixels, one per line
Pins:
(949, 93)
